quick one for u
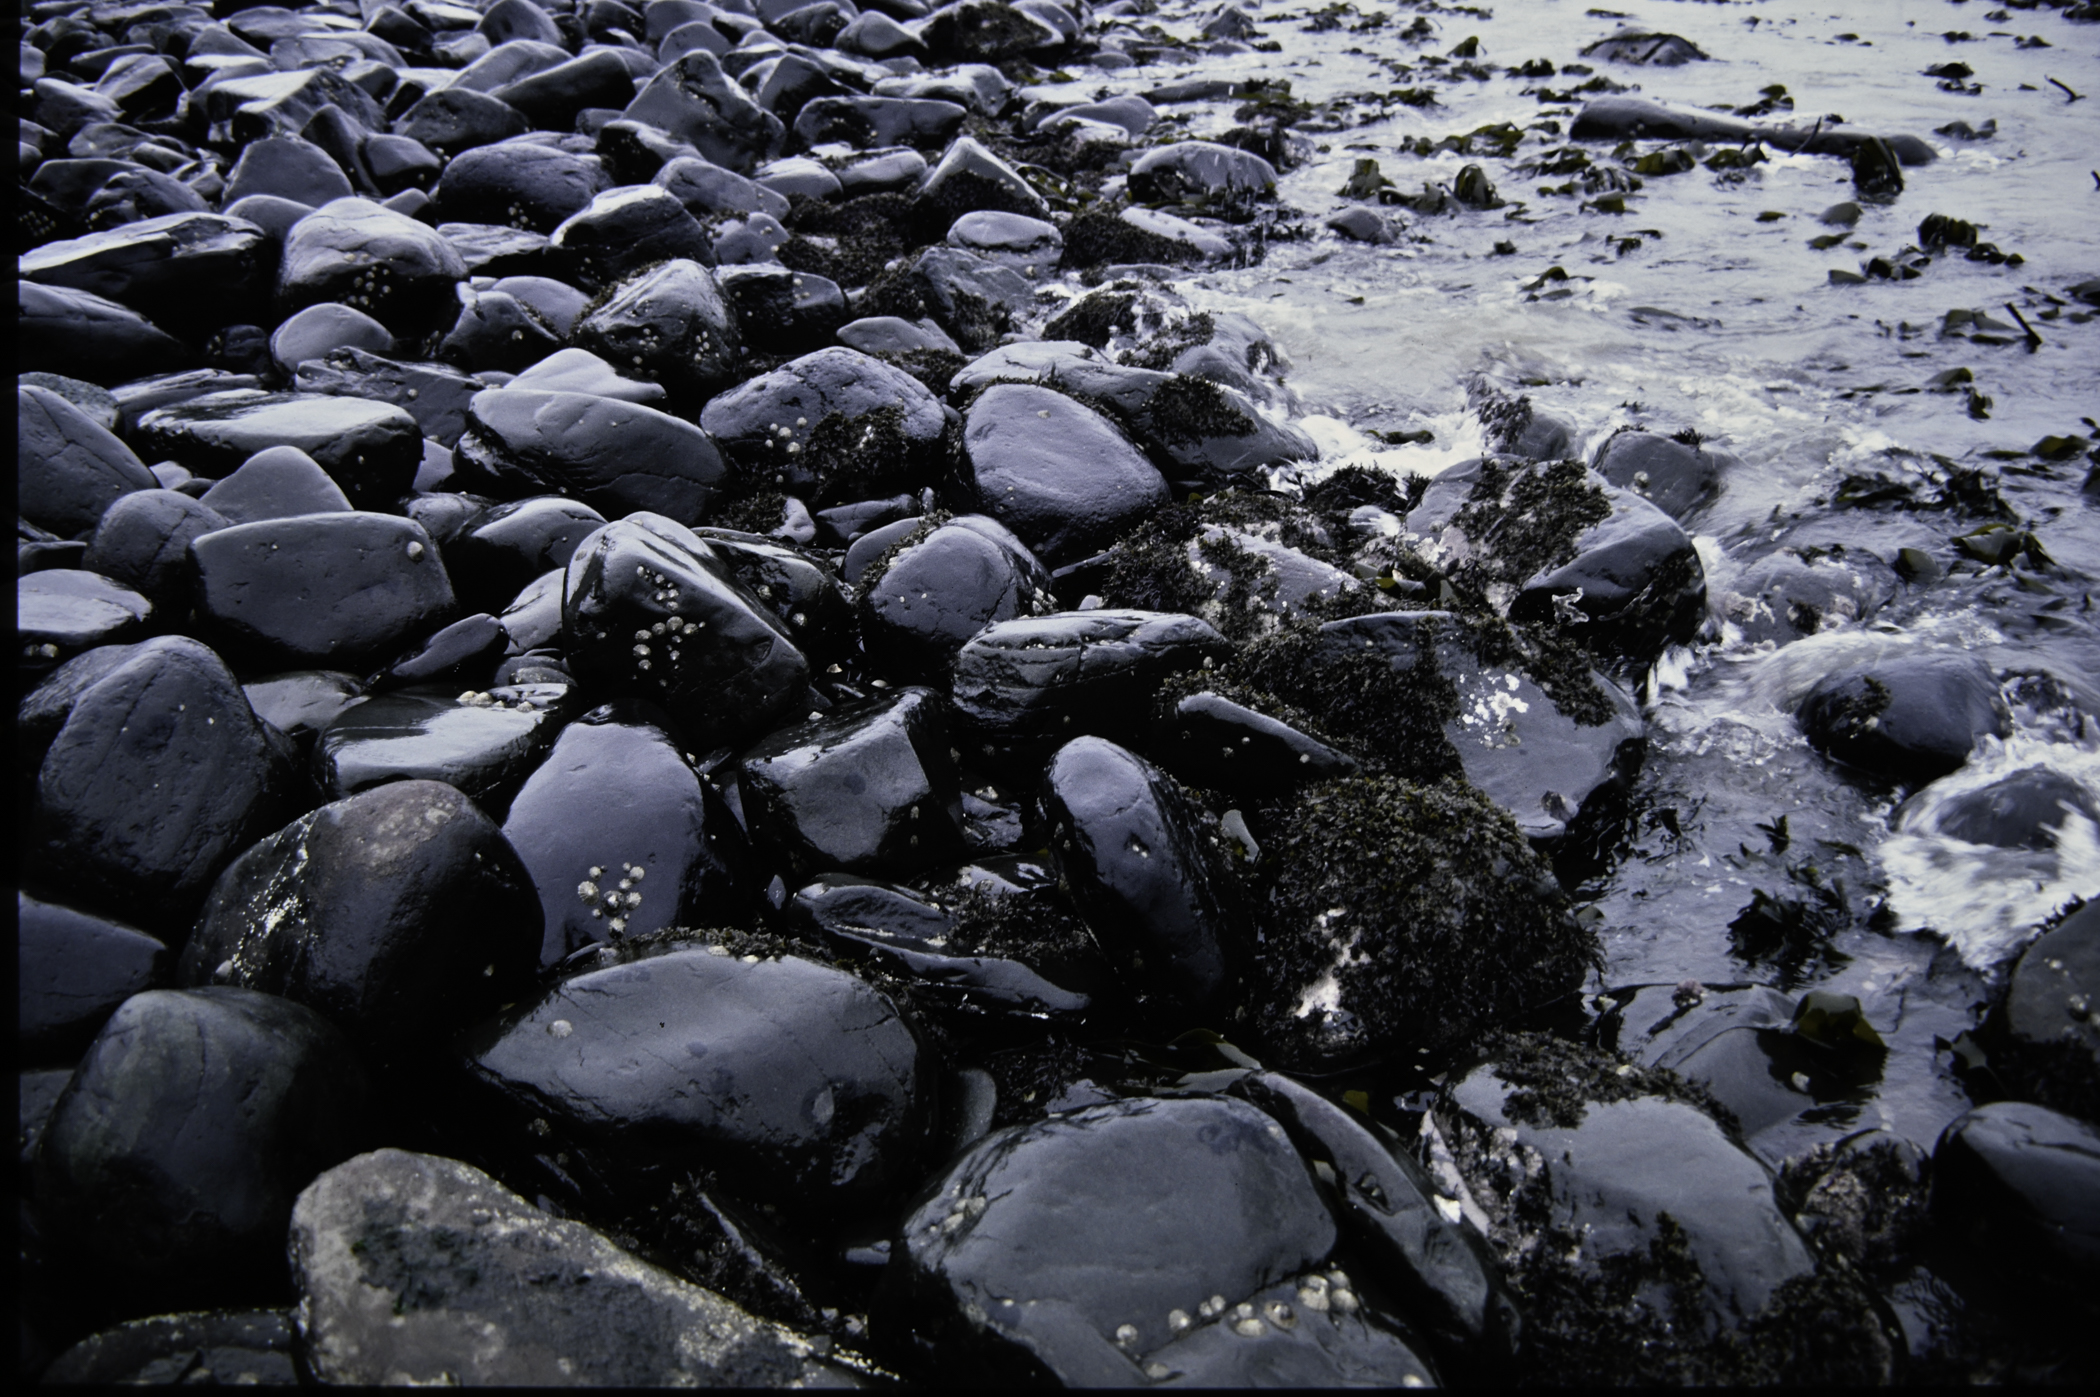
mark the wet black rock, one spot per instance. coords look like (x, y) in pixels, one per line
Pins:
(868, 791)
(287, 167)
(1643, 49)
(876, 35)
(870, 123)
(74, 969)
(455, 120)
(613, 804)
(319, 329)
(1403, 916)
(778, 311)
(496, 1291)
(249, 1347)
(82, 335)
(436, 395)
(1068, 1250)
(1677, 475)
(968, 178)
(1792, 594)
(2026, 810)
(1294, 1335)
(495, 331)
(151, 772)
(143, 543)
(399, 915)
(789, 1080)
(934, 592)
(692, 99)
(1448, 1282)
(465, 652)
(1029, 685)
(520, 183)
(833, 425)
(1150, 878)
(367, 256)
(61, 612)
(1028, 244)
(552, 98)
(617, 457)
(1207, 740)
(1518, 427)
(481, 742)
(2048, 1041)
(502, 548)
(185, 268)
(1619, 118)
(275, 483)
(321, 589)
(802, 589)
(668, 325)
(1540, 756)
(723, 666)
(705, 188)
(370, 449)
(69, 469)
(1060, 475)
(625, 230)
(987, 31)
(2018, 1185)
(169, 1167)
(299, 703)
(1910, 719)
(1220, 180)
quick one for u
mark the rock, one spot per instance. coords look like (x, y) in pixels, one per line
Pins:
(495, 331)
(1283, 1336)
(556, 302)
(2026, 810)
(287, 167)
(367, 256)
(435, 395)
(709, 189)
(314, 332)
(1060, 475)
(1789, 595)
(519, 183)
(370, 449)
(1608, 569)
(552, 98)
(2046, 1040)
(671, 325)
(788, 1080)
(1209, 741)
(1035, 1251)
(98, 405)
(1645, 50)
(1031, 684)
(1404, 916)
(614, 801)
(1910, 719)
(69, 469)
(236, 1346)
(456, 120)
(319, 589)
(833, 425)
(143, 543)
(1027, 244)
(730, 670)
(1618, 118)
(624, 230)
(398, 914)
(968, 179)
(976, 299)
(863, 791)
(481, 743)
(890, 335)
(251, 107)
(936, 591)
(987, 31)
(1364, 225)
(184, 268)
(61, 612)
(869, 123)
(151, 772)
(1151, 883)
(798, 177)
(1449, 1281)
(132, 195)
(74, 969)
(502, 548)
(778, 311)
(496, 1292)
(2018, 1186)
(1677, 476)
(1222, 180)
(275, 483)
(615, 456)
(465, 652)
(1732, 1042)
(876, 35)
(692, 99)
(801, 588)
(1518, 427)
(744, 241)
(169, 1166)
(299, 703)
(82, 335)
(533, 618)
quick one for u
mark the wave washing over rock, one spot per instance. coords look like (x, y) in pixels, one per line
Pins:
(771, 693)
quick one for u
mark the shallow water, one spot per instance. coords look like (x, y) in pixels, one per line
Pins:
(1726, 323)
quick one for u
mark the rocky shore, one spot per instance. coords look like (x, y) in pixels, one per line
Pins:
(771, 693)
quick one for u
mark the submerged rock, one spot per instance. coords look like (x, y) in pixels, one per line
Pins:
(1909, 719)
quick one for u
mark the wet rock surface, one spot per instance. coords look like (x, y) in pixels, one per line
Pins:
(1003, 692)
